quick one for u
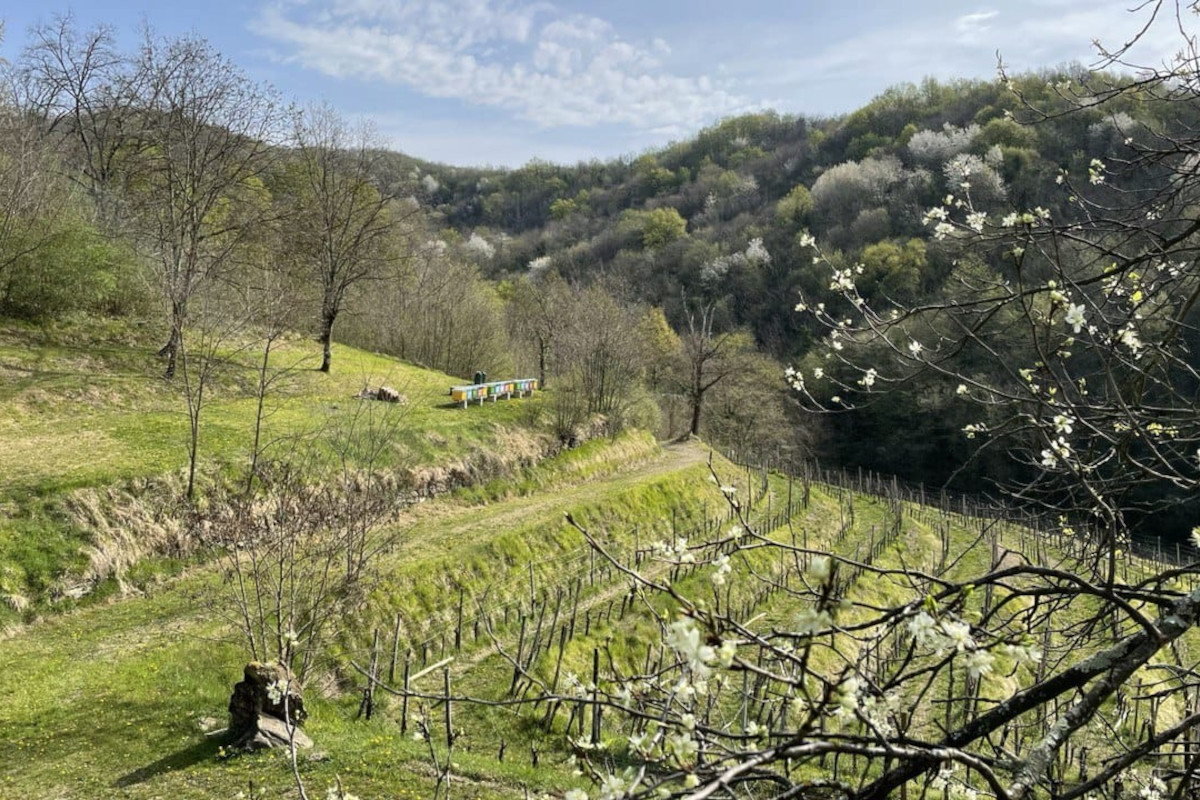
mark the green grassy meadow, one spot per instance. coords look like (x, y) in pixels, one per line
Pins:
(85, 407)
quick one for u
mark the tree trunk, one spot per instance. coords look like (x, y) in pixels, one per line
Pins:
(327, 340)
(695, 431)
(170, 350)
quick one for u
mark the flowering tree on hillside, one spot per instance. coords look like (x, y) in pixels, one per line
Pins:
(1007, 665)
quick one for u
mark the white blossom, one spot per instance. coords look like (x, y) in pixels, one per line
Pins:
(974, 428)
(923, 629)
(810, 621)
(959, 635)
(479, 247)
(726, 653)
(277, 690)
(843, 281)
(1059, 450)
(1023, 654)
(1075, 317)
(979, 663)
(613, 787)
(819, 570)
(756, 252)
(847, 696)
(721, 570)
(1129, 337)
(935, 214)
(684, 638)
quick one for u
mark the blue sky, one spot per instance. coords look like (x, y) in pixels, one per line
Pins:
(502, 81)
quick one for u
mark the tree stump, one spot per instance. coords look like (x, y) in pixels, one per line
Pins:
(266, 709)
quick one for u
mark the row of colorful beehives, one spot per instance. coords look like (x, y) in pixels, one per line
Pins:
(481, 391)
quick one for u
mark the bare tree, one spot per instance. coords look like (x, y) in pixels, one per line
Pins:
(85, 92)
(537, 316)
(299, 555)
(222, 322)
(438, 312)
(345, 226)
(601, 352)
(708, 358)
(209, 137)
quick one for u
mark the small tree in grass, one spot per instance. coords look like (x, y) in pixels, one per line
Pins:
(299, 554)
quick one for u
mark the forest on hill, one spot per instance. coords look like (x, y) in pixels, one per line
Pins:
(719, 223)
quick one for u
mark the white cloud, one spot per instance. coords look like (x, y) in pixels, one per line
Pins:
(969, 24)
(526, 58)
(1028, 35)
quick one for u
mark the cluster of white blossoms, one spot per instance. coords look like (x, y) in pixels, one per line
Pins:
(1128, 336)
(794, 378)
(1058, 454)
(1154, 789)
(721, 570)
(952, 788)
(943, 636)
(974, 429)
(479, 247)
(854, 699)
(819, 570)
(1064, 424)
(939, 217)
(1025, 219)
(277, 690)
(843, 279)
(676, 552)
(684, 638)
(811, 621)
(540, 264)
(613, 786)
(680, 748)
(880, 711)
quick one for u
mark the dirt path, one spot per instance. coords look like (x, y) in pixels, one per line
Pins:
(433, 524)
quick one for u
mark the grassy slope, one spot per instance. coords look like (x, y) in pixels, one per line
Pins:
(108, 700)
(126, 724)
(84, 406)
